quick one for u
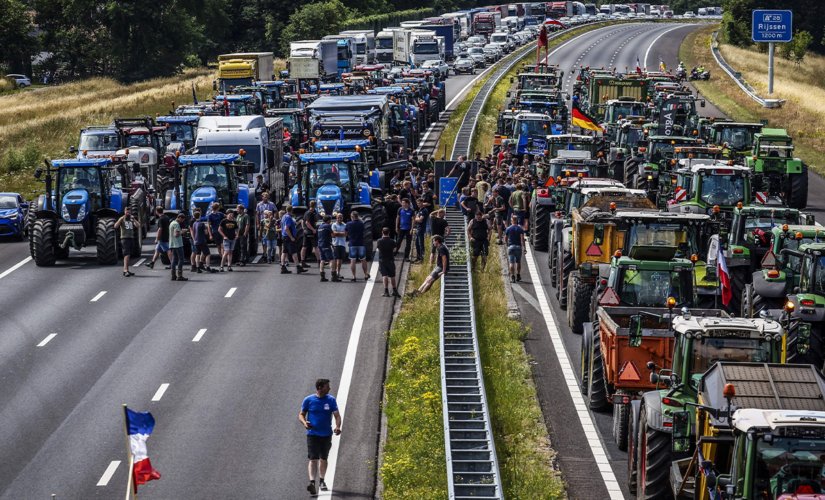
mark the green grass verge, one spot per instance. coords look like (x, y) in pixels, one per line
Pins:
(414, 464)
(522, 443)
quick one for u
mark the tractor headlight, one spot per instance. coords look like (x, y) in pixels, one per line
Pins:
(338, 206)
(321, 209)
(82, 213)
(65, 213)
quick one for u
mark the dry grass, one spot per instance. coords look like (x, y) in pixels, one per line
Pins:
(801, 115)
(6, 84)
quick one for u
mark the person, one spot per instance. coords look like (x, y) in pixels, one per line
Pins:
(176, 234)
(288, 233)
(229, 233)
(403, 226)
(243, 235)
(396, 178)
(478, 230)
(440, 227)
(324, 251)
(500, 213)
(161, 239)
(429, 201)
(463, 169)
(702, 68)
(316, 415)
(339, 246)
(357, 249)
(214, 219)
(469, 206)
(391, 206)
(504, 192)
(407, 191)
(200, 241)
(386, 261)
(261, 187)
(425, 163)
(270, 236)
(262, 207)
(310, 234)
(518, 202)
(128, 230)
(515, 248)
(421, 218)
(442, 266)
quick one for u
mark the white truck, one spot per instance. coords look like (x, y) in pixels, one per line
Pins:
(384, 42)
(463, 20)
(230, 134)
(364, 45)
(426, 46)
(313, 59)
(401, 42)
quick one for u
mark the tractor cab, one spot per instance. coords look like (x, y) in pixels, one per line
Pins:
(270, 93)
(623, 108)
(638, 282)
(531, 131)
(334, 89)
(209, 178)
(528, 81)
(97, 141)
(295, 126)
(368, 159)
(504, 127)
(568, 164)
(777, 173)
(182, 129)
(332, 179)
(203, 109)
(708, 188)
(736, 138)
(238, 104)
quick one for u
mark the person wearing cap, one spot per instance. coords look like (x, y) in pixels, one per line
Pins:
(176, 233)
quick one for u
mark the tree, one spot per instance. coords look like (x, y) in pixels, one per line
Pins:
(736, 21)
(802, 40)
(313, 21)
(17, 44)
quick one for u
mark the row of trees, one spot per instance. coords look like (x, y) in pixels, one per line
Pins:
(808, 25)
(133, 40)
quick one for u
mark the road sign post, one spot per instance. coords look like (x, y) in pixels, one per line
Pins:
(772, 26)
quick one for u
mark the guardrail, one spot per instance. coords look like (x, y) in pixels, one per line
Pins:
(737, 77)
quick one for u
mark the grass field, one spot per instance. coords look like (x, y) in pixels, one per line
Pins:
(804, 88)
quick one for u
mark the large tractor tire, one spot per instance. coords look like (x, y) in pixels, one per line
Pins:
(139, 212)
(816, 352)
(552, 253)
(579, 294)
(44, 243)
(621, 421)
(798, 195)
(632, 440)
(654, 459)
(631, 170)
(540, 225)
(753, 303)
(107, 241)
(738, 280)
(377, 220)
(616, 170)
(587, 339)
(564, 266)
(163, 184)
(366, 218)
(596, 389)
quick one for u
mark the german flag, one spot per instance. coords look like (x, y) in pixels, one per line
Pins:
(580, 118)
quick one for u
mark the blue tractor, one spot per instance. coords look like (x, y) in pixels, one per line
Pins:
(334, 181)
(203, 179)
(79, 209)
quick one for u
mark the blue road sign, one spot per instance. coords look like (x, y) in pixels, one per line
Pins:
(446, 185)
(772, 26)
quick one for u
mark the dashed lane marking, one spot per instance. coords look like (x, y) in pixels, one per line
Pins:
(110, 471)
(230, 292)
(47, 339)
(136, 264)
(257, 259)
(161, 390)
(98, 296)
(199, 335)
(15, 267)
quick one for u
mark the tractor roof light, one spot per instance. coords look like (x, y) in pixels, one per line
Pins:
(773, 273)
(694, 258)
(729, 391)
(242, 152)
(302, 151)
(739, 205)
(785, 228)
(789, 306)
(716, 209)
(177, 154)
(617, 253)
(671, 302)
(799, 235)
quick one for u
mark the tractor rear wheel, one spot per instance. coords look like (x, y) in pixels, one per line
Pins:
(630, 170)
(616, 170)
(738, 280)
(377, 220)
(799, 189)
(596, 390)
(552, 252)
(587, 339)
(632, 440)
(366, 218)
(107, 244)
(747, 310)
(540, 225)
(815, 355)
(44, 243)
(621, 420)
(564, 263)
(137, 204)
(579, 294)
(654, 460)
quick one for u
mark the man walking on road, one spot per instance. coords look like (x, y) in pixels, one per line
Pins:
(243, 235)
(199, 239)
(357, 249)
(386, 261)
(310, 234)
(403, 227)
(176, 246)
(316, 415)
(515, 248)
(325, 246)
(478, 230)
(260, 210)
(339, 246)
(127, 238)
(289, 232)
(214, 218)
(229, 233)
(442, 266)
(161, 239)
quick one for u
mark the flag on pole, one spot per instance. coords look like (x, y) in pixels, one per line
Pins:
(553, 21)
(724, 276)
(580, 118)
(638, 66)
(662, 64)
(139, 426)
(194, 96)
(542, 43)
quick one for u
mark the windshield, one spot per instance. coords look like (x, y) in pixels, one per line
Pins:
(723, 190)
(708, 351)
(775, 149)
(328, 174)
(789, 466)
(630, 137)
(383, 43)
(138, 140)
(536, 81)
(484, 25)
(663, 235)
(253, 152)
(7, 202)
(687, 107)
(625, 110)
(79, 178)
(737, 137)
(343, 54)
(464, 61)
(499, 39)
(98, 142)
(361, 48)
(291, 123)
(819, 275)
(425, 48)
(531, 127)
(184, 131)
(476, 50)
(652, 288)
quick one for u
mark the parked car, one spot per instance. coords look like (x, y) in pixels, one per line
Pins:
(464, 65)
(22, 81)
(437, 65)
(14, 216)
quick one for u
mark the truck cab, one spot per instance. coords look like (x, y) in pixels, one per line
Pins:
(238, 104)
(180, 129)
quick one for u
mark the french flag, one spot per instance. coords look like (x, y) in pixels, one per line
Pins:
(140, 425)
(724, 276)
(638, 66)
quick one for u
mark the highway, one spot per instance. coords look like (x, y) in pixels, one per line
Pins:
(78, 340)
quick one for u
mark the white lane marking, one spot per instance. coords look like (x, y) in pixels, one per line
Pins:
(566, 364)
(526, 296)
(110, 471)
(98, 296)
(427, 134)
(15, 267)
(199, 335)
(647, 53)
(257, 259)
(47, 339)
(230, 292)
(141, 261)
(346, 374)
(160, 392)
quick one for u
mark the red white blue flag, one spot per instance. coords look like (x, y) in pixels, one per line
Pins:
(638, 66)
(140, 425)
(724, 276)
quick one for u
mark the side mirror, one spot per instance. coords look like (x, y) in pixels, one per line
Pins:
(73, 149)
(635, 335)
(681, 432)
(702, 104)
(38, 172)
(121, 169)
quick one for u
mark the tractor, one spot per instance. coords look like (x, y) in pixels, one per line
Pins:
(776, 173)
(735, 138)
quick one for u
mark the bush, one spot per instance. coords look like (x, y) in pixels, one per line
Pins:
(17, 160)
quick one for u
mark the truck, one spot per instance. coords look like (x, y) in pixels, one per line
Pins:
(346, 52)
(462, 19)
(401, 43)
(444, 21)
(364, 45)
(756, 432)
(384, 41)
(537, 10)
(244, 67)
(557, 10)
(426, 46)
(484, 24)
(447, 36)
(313, 60)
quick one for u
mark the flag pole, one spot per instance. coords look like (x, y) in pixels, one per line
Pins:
(131, 474)
(128, 449)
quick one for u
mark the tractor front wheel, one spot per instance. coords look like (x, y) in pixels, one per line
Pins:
(621, 420)
(107, 244)
(579, 294)
(596, 389)
(654, 460)
(44, 242)
(564, 264)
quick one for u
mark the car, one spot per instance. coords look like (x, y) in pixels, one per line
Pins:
(437, 65)
(464, 65)
(14, 216)
(490, 55)
(479, 59)
(22, 81)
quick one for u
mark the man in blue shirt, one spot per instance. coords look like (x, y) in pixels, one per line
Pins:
(357, 246)
(421, 219)
(316, 415)
(403, 227)
(325, 245)
(515, 248)
(289, 234)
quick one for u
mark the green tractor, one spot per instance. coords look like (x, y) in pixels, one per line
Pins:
(776, 173)
(734, 137)
(624, 142)
(707, 186)
(650, 163)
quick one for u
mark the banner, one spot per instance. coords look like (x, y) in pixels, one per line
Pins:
(666, 117)
(538, 147)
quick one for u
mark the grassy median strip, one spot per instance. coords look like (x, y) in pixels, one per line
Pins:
(414, 464)
(801, 115)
